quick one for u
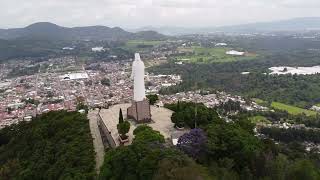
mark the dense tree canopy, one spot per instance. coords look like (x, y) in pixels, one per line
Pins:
(145, 134)
(153, 98)
(231, 141)
(292, 134)
(105, 82)
(123, 129)
(180, 168)
(298, 90)
(230, 150)
(56, 145)
(193, 144)
(191, 114)
(147, 158)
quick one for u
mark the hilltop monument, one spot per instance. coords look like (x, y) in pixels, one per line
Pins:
(140, 108)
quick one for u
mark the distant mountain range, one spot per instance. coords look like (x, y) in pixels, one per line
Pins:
(297, 24)
(50, 31)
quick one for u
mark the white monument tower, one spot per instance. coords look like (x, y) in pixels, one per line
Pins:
(140, 109)
(138, 79)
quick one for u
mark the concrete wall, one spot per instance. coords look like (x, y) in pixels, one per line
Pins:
(106, 132)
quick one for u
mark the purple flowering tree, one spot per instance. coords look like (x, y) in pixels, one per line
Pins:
(193, 143)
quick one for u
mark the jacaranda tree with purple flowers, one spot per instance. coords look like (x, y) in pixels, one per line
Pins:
(193, 143)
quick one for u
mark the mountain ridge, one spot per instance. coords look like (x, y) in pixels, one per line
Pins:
(293, 24)
(51, 31)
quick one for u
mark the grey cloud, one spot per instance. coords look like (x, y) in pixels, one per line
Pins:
(128, 13)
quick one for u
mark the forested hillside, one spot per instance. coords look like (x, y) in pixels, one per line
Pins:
(149, 158)
(56, 145)
(214, 150)
(298, 90)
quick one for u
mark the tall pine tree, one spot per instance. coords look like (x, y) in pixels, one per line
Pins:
(120, 116)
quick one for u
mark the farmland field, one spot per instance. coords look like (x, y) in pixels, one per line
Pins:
(292, 109)
(140, 44)
(197, 54)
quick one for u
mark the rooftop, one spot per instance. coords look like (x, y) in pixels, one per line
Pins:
(73, 76)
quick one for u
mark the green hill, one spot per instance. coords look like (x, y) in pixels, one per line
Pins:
(56, 145)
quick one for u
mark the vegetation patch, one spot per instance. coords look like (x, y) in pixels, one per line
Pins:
(191, 115)
(148, 158)
(259, 119)
(141, 44)
(292, 109)
(300, 91)
(197, 54)
(317, 104)
(56, 145)
(258, 101)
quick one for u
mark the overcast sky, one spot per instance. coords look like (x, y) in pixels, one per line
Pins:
(138, 13)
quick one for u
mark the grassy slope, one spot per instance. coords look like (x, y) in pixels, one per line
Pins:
(257, 119)
(209, 55)
(258, 101)
(292, 109)
(137, 42)
(132, 44)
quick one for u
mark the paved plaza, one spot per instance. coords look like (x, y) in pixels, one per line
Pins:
(161, 121)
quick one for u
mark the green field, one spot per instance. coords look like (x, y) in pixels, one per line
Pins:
(292, 109)
(257, 119)
(210, 55)
(258, 101)
(134, 44)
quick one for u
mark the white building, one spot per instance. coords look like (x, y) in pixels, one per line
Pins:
(235, 53)
(74, 76)
(68, 48)
(295, 70)
(97, 49)
(221, 44)
(315, 108)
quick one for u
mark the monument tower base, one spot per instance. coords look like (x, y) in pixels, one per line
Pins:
(140, 111)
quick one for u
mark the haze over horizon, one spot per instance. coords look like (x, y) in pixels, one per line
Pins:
(158, 13)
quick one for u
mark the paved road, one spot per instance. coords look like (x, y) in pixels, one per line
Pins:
(97, 141)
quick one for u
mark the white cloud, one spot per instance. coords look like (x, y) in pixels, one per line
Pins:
(128, 13)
